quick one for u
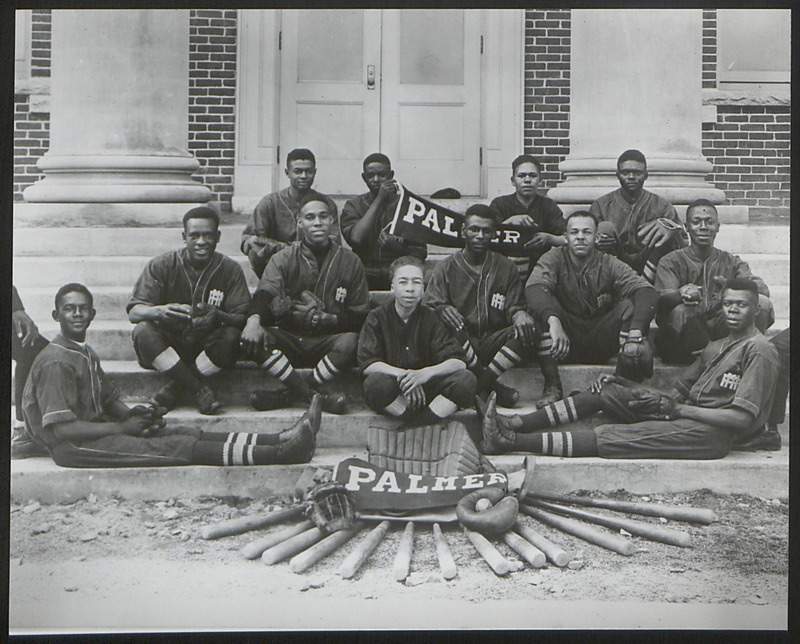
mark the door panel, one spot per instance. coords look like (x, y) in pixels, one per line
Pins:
(327, 104)
(430, 99)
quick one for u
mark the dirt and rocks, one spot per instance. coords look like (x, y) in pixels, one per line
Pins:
(110, 550)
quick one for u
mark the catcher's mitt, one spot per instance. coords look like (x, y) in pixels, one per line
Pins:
(652, 405)
(635, 361)
(275, 395)
(330, 507)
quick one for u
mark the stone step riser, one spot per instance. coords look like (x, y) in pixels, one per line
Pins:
(151, 241)
(110, 302)
(112, 339)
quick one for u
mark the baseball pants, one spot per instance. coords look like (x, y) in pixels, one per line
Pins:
(210, 353)
(455, 389)
(23, 357)
(777, 412)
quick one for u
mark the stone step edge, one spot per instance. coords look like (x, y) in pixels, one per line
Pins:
(739, 473)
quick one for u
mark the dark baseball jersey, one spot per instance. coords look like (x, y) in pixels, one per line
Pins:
(274, 224)
(487, 297)
(169, 279)
(586, 291)
(339, 283)
(371, 254)
(734, 373)
(66, 383)
(545, 213)
(629, 217)
(421, 341)
(682, 266)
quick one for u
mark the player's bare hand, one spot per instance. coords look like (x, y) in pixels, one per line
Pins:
(173, 312)
(597, 386)
(416, 398)
(524, 328)
(251, 341)
(538, 241)
(654, 234)
(390, 242)
(561, 344)
(388, 190)
(412, 379)
(520, 220)
(24, 328)
(135, 425)
(452, 318)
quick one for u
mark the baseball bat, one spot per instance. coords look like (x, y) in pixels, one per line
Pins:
(554, 553)
(402, 560)
(240, 525)
(363, 550)
(291, 546)
(606, 540)
(652, 532)
(525, 549)
(255, 549)
(322, 549)
(446, 562)
(490, 554)
(689, 514)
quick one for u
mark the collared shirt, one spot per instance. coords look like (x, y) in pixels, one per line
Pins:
(274, 224)
(731, 372)
(487, 296)
(66, 383)
(340, 283)
(421, 341)
(586, 291)
(370, 252)
(168, 279)
(682, 266)
(628, 218)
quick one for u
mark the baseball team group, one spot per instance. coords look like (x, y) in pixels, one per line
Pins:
(440, 339)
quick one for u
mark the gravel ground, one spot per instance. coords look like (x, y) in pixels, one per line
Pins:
(116, 551)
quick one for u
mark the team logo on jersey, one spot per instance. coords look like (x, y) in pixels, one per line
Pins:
(341, 294)
(215, 297)
(498, 301)
(730, 380)
(604, 300)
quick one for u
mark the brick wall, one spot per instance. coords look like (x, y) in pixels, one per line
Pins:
(749, 146)
(212, 88)
(547, 64)
(40, 42)
(709, 48)
(31, 141)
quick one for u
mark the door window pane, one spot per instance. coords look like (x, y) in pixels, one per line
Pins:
(754, 45)
(330, 45)
(431, 47)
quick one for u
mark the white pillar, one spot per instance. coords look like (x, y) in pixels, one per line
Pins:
(636, 83)
(119, 110)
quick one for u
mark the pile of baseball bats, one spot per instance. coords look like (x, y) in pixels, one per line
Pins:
(304, 545)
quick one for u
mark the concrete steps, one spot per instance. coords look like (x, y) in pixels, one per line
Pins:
(759, 474)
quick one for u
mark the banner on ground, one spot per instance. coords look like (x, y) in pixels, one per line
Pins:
(422, 221)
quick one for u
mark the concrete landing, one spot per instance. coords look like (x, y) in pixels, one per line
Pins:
(763, 474)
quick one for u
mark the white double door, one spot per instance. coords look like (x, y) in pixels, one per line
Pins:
(403, 82)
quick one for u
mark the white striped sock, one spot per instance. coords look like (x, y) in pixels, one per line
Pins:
(165, 360)
(397, 407)
(442, 406)
(205, 366)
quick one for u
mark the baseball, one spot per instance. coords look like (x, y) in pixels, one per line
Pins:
(482, 504)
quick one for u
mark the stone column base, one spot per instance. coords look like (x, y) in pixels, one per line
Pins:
(727, 214)
(100, 215)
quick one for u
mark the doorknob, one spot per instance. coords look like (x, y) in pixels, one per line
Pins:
(370, 76)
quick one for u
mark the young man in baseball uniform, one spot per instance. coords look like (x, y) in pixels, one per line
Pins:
(690, 282)
(413, 367)
(479, 295)
(590, 306)
(73, 411)
(527, 208)
(364, 222)
(723, 398)
(189, 307)
(274, 223)
(642, 226)
(308, 308)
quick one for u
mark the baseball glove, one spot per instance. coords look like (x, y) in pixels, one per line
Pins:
(635, 360)
(652, 405)
(275, 396)
(204, 320)
(330, 507)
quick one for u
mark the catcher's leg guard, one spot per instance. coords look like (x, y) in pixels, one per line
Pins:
(439, 450)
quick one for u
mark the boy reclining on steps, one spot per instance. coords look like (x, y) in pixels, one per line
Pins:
(71, 408)
(724, 398)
